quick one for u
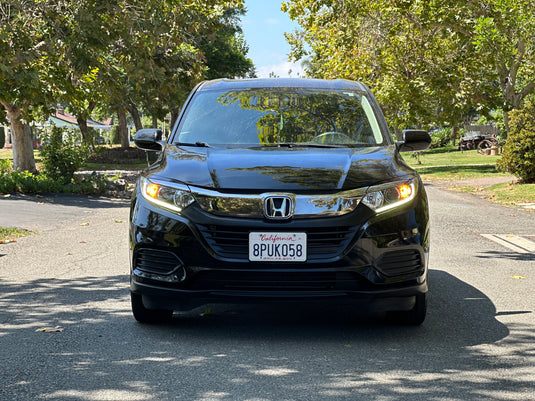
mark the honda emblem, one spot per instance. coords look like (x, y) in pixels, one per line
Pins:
(278, 207)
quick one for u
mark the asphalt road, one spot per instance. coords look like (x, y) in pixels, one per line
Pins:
(478, 342)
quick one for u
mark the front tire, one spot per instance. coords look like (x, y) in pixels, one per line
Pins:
(413, 317)
(144, 315)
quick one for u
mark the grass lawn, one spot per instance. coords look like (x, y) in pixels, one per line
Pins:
(11, 234)
(447, 164)
(448, 157)
(511, 194)
(459, 172)
(450, 164)
(508, 194)
(8, 154)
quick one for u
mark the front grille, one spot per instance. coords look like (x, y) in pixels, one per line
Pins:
(400, 262)
(156, 261)
(233, 241)
(269, 281)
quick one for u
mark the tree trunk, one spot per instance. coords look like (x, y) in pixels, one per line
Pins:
(134, 112)
(123, 129)
(454, 134)
(508, 82)
(87, 138)
(154, 122)
(82, 124)
(21, 138)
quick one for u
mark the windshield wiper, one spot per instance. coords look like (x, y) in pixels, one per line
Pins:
(197, 144)
(305, 145)
(323, 145)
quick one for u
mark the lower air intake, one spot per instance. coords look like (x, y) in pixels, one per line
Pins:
(156, 262)
(397, 263)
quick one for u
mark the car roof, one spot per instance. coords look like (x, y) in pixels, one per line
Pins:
(338, 84)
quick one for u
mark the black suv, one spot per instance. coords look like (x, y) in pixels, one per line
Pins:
(279, 190)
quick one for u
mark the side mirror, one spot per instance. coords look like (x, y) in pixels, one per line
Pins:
(149, 139)
(414, 140)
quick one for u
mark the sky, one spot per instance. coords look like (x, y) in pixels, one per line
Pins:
(263, 27)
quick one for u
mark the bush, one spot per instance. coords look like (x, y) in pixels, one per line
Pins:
(440, 138)
(518, 155)
(25, 182)
(62, 155)
(6, 166)
(2, 137)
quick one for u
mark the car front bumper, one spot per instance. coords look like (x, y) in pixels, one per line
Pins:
(183, 261)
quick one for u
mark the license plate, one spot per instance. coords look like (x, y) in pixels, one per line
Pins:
(277, 247)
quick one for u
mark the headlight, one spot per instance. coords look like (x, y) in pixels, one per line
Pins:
(170, 196)
(385, 197)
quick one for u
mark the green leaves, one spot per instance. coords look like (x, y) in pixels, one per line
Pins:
(518, 155)
(148, 53)
(91, 50)
(428, 62)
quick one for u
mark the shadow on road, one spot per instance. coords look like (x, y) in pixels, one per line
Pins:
(506, 255)
(46, 212)
(72, 200)
(250, 352)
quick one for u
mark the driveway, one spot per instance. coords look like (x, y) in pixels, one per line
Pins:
(66, 331)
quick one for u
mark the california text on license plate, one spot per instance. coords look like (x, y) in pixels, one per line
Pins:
(277, 247)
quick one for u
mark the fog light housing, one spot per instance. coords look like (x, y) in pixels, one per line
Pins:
(178, 276)
(155, 264)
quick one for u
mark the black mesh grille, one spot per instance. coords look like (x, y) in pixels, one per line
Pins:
(400, 262)
(233, 241)
(155, 261)
(283, 281)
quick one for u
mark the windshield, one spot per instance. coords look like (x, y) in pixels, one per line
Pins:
(280, 116)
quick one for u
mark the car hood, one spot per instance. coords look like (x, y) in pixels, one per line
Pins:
(281, 169)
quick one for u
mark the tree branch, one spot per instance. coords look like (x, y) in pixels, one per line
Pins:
(527, 90)
(517, 60)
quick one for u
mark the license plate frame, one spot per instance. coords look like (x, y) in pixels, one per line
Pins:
(277, 246)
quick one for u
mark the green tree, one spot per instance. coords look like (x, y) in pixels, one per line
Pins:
(430, 61)
(78, 33)
(24, 90)
(157, 60)
(92, 53)
(44, 61)
(503, 35)
(225, 50)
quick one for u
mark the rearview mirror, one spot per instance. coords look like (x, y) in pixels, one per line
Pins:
(414, 140)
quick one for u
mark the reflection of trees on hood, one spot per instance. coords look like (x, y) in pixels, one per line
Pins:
(309, 177)
(297, 115)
